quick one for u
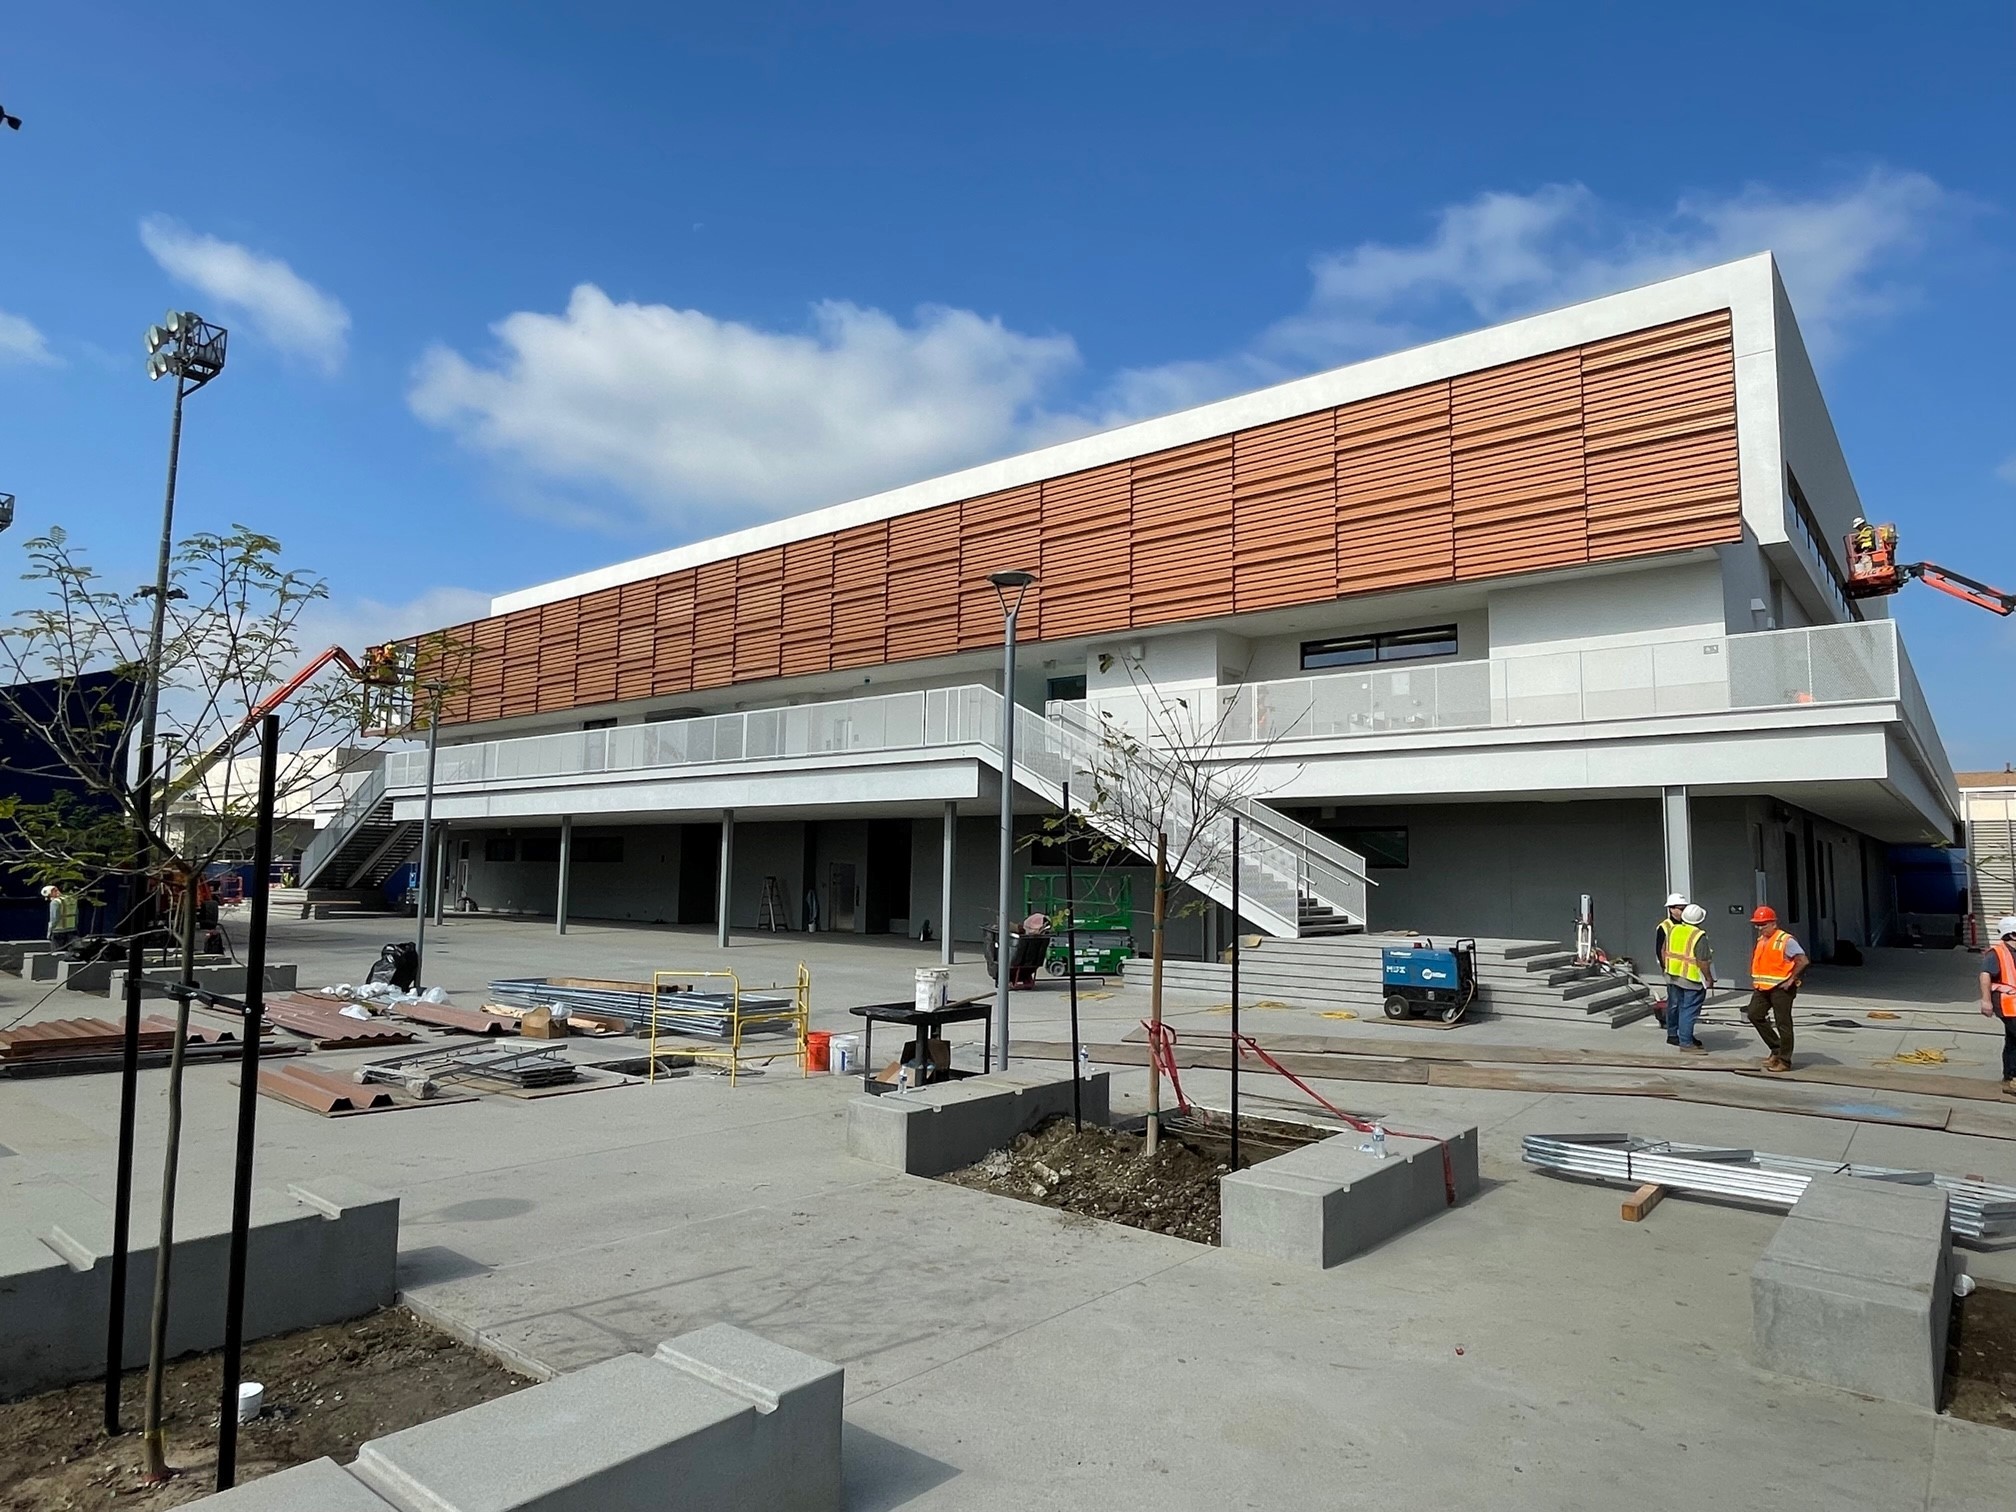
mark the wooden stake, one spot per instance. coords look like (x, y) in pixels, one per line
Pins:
(1641, 1202)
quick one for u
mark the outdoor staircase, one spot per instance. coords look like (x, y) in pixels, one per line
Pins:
(1536, 979)
(1293, 883)
(362, 844)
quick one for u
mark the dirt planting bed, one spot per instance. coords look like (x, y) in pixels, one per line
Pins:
(328, 1390)
(1981, 1358)
(1103, 1173)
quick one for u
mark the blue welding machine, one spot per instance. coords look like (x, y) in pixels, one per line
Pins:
(1420, 978)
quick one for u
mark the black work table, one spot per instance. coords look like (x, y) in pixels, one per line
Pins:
(928, 1024)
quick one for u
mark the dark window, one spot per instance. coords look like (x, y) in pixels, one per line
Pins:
(500, 848)
(1065, 690)
(598, 847)
(1392, 646)
(598, 724)
(1792, 876)
(539, 848)
(1384, 849)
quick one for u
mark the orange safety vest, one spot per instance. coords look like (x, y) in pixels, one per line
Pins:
(1770, 966)
(2002, 991)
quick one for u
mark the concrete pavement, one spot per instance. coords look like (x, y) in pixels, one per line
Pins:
(1527, 1350)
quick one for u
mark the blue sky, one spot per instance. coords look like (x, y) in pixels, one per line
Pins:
(517, 290)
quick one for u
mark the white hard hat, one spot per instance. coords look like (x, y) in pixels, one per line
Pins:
(1694, 913)
(2006, 925)
(1674, 900)
(51, 891)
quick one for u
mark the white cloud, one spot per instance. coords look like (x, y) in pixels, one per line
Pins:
(696, 417)
(1503, 254)
(282, 306)
(354, 622)
(703, 423)
(21, 344)
(2007, 471)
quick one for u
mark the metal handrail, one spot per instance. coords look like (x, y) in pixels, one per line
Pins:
(331, 837)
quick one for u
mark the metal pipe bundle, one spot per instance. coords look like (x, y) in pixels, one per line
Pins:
(1975, 1209)
(699, 1015)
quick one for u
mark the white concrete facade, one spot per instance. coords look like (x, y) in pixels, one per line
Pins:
(1733, 689)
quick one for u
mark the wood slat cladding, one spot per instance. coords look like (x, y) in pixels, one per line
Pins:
(808, 606)
(1183, 532)
(998, 532)
(924, 579)
(1619, 448)
(1395, 505)
(1088, 551)
(1284, 507)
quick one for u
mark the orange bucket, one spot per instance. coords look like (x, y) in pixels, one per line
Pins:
(817, 1046)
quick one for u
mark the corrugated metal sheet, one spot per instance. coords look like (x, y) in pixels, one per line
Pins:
(1284, 512)
(1183, 532)
(1087, 551)
(1620, 448)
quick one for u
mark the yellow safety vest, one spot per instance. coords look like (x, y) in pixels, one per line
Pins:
(1680, 962)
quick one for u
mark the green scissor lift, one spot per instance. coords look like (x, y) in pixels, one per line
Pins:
(1104, 920)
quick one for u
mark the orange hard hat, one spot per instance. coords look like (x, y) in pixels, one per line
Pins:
(1765, 915)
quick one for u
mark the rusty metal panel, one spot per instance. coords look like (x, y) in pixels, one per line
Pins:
(1284, 512)
(521, 661)
(1520, 498)
(1182, 522)
(1668, 495)
(759, 614)
(559, 653)
(672, 633)
(714, 624)
(999, 532)
(1087, 552)
(486, 669)
(924, 583)
(324, 1022)
(323, 1092)
(860, 595)
(808, 606)
(1395, 491)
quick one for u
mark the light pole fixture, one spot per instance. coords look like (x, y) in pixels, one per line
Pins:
(189, 349)
(1010, 588)
(425, 876)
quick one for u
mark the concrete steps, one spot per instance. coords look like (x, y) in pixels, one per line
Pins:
(1516, 978)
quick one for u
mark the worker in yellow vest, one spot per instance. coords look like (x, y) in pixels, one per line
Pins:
(1777, 962)
(1998, 995)
(1690, 973)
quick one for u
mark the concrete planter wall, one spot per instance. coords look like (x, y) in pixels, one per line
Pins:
(932, 1130)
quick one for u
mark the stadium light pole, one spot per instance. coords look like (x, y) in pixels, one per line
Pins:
(190, 350)
(1010, 587)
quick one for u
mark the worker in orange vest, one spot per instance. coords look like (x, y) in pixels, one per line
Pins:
(1998, 995)
(1777, 962)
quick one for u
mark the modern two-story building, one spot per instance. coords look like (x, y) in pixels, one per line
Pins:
(1549, 609)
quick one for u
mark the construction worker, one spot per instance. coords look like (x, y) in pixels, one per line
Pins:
(1690, 974)
(1675, 902)
(1998, 995)
(62, 915)
(1777, 962)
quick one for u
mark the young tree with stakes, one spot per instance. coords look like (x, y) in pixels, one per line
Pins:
(232, 619)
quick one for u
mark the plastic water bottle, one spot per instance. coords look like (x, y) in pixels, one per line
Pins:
(1084, 1063)
(1379, 1141)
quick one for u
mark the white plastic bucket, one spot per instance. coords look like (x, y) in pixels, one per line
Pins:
(251, 1397)
(934, 986)
(843, 1054)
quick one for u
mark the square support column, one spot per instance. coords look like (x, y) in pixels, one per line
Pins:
(1678, 829)
(727, 874)
(438, 877)
(566, 866)
(945, 883)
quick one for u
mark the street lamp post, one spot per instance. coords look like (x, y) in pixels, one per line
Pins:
(1010, 588)
(190, 350)
(426, 876)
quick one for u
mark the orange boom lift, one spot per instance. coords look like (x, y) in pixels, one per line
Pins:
(1875, 572)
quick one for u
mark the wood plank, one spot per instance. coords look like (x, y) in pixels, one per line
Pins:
(1641, 1202)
